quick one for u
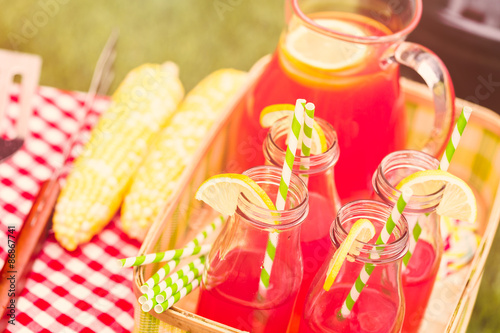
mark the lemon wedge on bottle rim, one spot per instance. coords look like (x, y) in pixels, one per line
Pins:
(221, 192)
(458, 200)
(361, 231)
(270, 114)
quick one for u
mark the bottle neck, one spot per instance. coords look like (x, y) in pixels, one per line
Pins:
(398, 165)
(378, 213)
(296, 209)
(274, 148)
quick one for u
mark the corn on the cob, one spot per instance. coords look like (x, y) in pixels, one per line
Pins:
(140, 107)
(172, 152)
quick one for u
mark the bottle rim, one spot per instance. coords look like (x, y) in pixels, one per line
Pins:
(275, 154)
(275, 220)
(402, 159)
(370, 252)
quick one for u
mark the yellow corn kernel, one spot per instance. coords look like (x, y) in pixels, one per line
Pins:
(142, 105)
(157, 177)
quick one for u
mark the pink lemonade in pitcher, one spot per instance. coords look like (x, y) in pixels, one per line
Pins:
(346, 83)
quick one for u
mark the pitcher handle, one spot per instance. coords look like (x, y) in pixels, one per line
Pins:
(437, 78)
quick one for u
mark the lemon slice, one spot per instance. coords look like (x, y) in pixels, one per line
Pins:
(221, 192)
(270, 114)
(362, 231)
(320, 51)
(458, 200)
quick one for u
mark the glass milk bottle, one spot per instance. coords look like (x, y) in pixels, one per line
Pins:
(380, 306)
(318, 171)
(421, 270)
(230, 291)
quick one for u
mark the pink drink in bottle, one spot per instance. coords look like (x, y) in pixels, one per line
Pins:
(420, 272)
(380, 306)
(230, 288)
(317, 170)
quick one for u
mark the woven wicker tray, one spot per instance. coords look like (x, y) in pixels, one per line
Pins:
(477, 161)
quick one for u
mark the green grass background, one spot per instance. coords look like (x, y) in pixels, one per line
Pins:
(199, 35)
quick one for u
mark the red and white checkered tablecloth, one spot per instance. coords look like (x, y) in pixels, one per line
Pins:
(80, 291)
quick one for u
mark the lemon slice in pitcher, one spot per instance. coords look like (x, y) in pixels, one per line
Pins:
(221, 192)
(458, 200)
(270, 114)
(320, 51)
(362, 231)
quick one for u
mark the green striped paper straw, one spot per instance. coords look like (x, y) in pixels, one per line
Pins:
(383, 238)
(159, 308)
(455, 138)
(444, 164)
(207, 231)
(151, 303)
(307, 138)
(414, 237)
(162, 287)
(293, 138)
(178, 285)
(198, 239)
(151, 292)
(164, 256)
(272, 243)
(159, 275)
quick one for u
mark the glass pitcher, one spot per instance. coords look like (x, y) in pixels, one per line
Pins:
(380, 307)
(344, 57)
